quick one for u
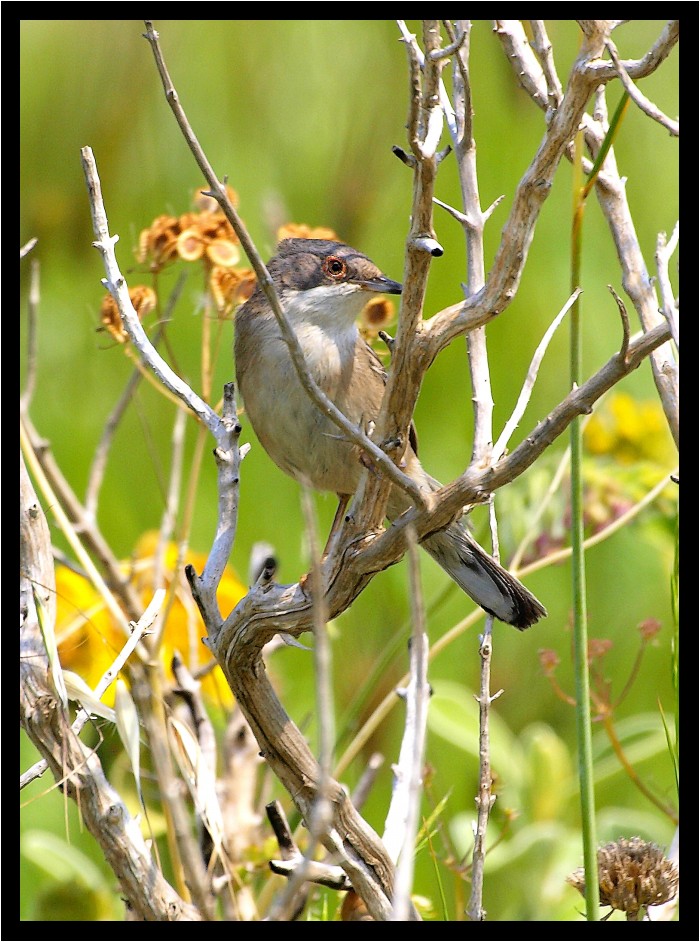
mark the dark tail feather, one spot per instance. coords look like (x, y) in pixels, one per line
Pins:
(483, 579)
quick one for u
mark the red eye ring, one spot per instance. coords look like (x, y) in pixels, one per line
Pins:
(334, 267)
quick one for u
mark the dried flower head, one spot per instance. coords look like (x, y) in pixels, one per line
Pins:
(204, 203)
(377, 312)
(299, 230)
(158, 243)
(223, 252)
(549, 660)
(144, 300)
(632, 875)
(598, 648)
(649, 628)
(230, 286)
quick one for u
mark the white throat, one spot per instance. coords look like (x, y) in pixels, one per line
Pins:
(323, 319)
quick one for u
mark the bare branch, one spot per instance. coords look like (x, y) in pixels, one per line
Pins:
(79, 768)
(313, 390)
(624, 317)
(32, 313)
(543, 51)
(475, 484)
(602, 71)
(485, 798)
(518, 232)
(117, 287)
(612, 197)
(529, 384)
(27, 248)
(664, 251)
(611, 194)
(527, 69)
(402, 818)
(640, 100)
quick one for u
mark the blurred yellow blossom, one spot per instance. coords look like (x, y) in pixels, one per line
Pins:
(89, 638)
(630, 430)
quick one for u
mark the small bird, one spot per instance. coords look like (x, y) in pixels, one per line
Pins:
(323, 286)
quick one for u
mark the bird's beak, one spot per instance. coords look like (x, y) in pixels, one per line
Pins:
(382, 284)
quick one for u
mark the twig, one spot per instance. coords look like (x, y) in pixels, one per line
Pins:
(640, 100)
(315, 871)
(380, 713)
(416, 52)
(543, 51)
(99, 460)
(32, 314)
(402, 819)
(511, 256)
(117, 287)
(27, 248)
(320, 819)
(624, 317)
(172, 502)
(500, 447)
(669, 305)
(465, 152)
(485, 798)
(103, 812)
(527, 68)
(218, 191)
(69, 531)
(612, 195)
(475, 484)
(367, 780)
(603, 71)
(322, 652)
(189, 690)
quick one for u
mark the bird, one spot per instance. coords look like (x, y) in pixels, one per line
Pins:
(322, 286)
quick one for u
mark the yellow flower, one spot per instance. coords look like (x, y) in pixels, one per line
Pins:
(89, 638)
(629, 430)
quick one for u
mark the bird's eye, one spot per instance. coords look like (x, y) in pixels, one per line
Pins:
(334, 267)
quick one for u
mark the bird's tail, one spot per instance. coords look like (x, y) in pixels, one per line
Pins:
(482, 578)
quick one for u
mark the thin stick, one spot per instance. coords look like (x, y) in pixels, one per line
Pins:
(664, 251)
(640, 100)
(500, 447)
(403, 816)
(218, 191)
(485, 798)
(32, 314)
(138, 629)
(99, 461)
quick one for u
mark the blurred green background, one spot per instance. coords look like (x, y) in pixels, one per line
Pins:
(301, 117)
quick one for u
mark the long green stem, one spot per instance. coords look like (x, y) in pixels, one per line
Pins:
(583, 703)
